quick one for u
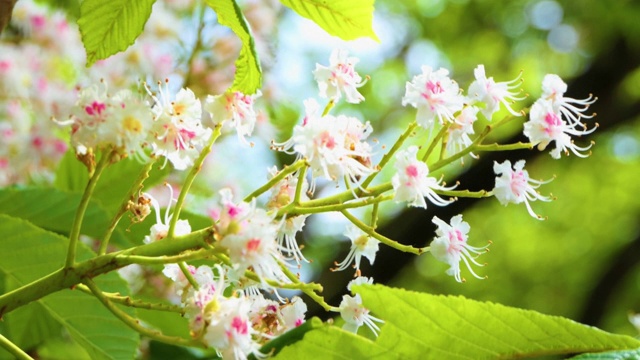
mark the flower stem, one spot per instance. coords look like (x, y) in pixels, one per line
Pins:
(385, 159)
(307, 290)
(134, 323)
(299, 184)
(128, 301)
(503, 147)
(465, 193)
(190, 178)
(329, 106)
(74, 234)
(187, 274)
(281, 175)
(13, 349)
(434, 142)
(159, 260)
(383, 239)
(135, 187)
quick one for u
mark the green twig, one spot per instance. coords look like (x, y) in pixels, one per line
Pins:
(505, 147)
(187, 274)
(13, 348)
(281, 175)
(434, 142)
(465, 193)
(300, 210)
(383, 239)
(387, 157)
(128, 301)
(299, 185)
(134, 323)
(196, 47)
(308, 291)
(135, 187)
(159, 260)
(195, 169)
(74, 234)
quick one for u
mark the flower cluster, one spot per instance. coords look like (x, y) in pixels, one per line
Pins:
(235, 324)
(127, 124)
(556, 118)
(334, 146)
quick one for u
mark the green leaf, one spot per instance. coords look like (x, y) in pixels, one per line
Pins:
(35, 253)
(55, 210)
(108, 27)
(248, 72)
(347, 20)
(71, 175)
(611, 355)
(114, 182)
(62, 349)
(330, 342)
(419, 325)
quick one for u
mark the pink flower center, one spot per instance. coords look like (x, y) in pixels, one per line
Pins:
(434, 87)
(253, 244)
(412, 171)
(239, 326)
(327, 140)
(96, 108)
(518, 183)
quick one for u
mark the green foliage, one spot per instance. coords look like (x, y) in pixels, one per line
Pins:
(70, 7)
(36, 253)
(347, 20)
(248, 78)
(330, 342)
(611, 355)
(420, 325)
(108, 27)
(54, 210)
(71, 175)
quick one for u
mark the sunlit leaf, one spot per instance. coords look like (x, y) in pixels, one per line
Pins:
(330, 342)
(55, 210)
(108, 27)
(347, 20)
(248, 71)
(420, 325)
(36, 252)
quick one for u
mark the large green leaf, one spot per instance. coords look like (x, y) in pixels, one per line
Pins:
(419, 325)
(108, 27)
(114, 182)
(328, 342)
(55, 210)
(248, 72)
(347, 20)
(36, 252)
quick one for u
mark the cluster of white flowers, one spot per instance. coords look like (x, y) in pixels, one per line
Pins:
(233, 323)
(128, 124)
(554, 117)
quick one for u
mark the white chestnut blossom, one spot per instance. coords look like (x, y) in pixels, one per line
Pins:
(235, 110)
(451, 246)
(553, 89)
(412, 182)
(546, 125)
(361, 245)
(178, 131)
(249, 234)
(492, 94)
(460, 130)
(230, 330)
(334, 146)
(354, 313)
(435, 96)
(515, 186)
(339, 77)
